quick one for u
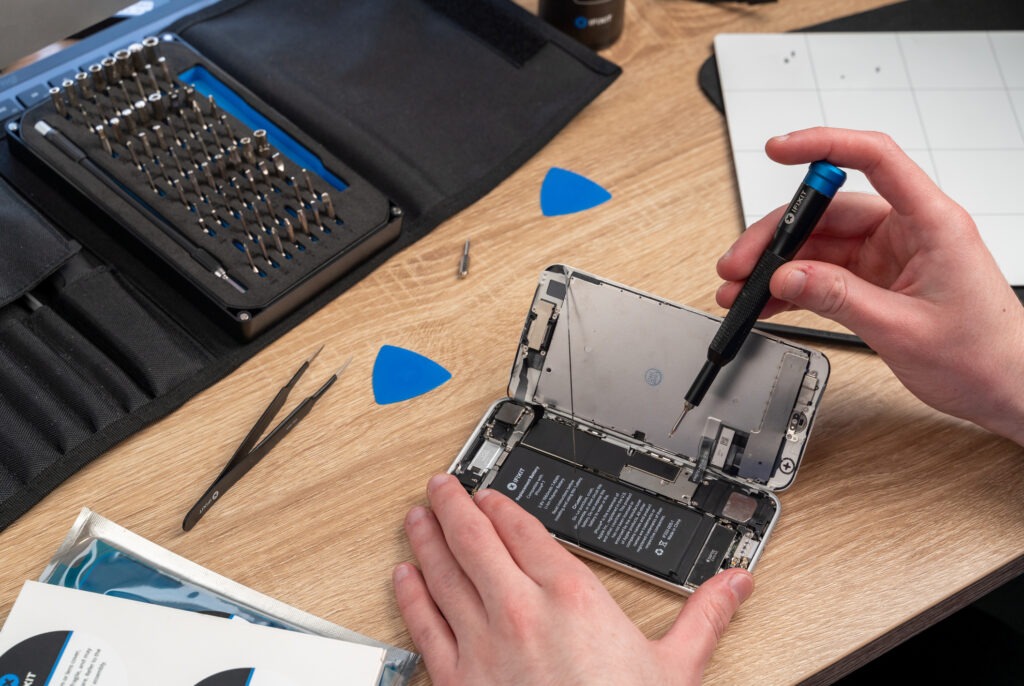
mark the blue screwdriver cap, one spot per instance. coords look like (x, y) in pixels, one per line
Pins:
(825, 177)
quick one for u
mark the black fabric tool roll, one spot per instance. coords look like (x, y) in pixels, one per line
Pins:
(433, 102)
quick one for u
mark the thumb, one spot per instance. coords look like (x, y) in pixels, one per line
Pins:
(706, 615)
(837, 294)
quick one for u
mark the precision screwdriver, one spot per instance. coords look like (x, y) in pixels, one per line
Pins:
(819, 186)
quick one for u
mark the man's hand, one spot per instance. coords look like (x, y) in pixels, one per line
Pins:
(907, 272)
(499, 601)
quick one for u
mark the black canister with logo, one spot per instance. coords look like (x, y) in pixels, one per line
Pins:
(595, 23)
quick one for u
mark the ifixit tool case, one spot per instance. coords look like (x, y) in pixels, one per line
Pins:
(252, 215)
(110, 320)
(583, 439)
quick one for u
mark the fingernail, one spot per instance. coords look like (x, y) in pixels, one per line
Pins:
(793, 285)
(436, 481)
(416, 514)
(780, 138)
(742, 584)
(725, 255)
(400, 572)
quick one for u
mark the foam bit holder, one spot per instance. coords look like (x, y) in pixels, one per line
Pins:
(566, 192)
(400, 374)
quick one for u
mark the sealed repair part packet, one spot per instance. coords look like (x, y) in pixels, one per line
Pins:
(100, 556)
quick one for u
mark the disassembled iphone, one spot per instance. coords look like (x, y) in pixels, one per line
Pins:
(582, 440)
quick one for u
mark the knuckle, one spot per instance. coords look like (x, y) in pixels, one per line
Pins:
(447, 583)
(468, 534)
(834, 296)
(574, 591)
(518, 617)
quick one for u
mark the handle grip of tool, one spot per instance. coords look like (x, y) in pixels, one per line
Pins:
(743, 314)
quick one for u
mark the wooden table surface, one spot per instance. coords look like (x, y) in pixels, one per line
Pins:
(898, 516)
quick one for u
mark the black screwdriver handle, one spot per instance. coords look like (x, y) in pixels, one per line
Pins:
(743, 314)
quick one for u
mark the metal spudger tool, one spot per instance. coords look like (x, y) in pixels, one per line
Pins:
(812, 198)
(249, 452)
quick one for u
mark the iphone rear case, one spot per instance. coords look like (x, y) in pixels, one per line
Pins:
(582, 440)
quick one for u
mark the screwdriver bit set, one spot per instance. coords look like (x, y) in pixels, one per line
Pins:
(254, 215)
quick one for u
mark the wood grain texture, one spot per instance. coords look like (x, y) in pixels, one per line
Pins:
(898, 513)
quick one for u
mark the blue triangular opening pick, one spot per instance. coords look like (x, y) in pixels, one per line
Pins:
(400, 374)
(565, 192)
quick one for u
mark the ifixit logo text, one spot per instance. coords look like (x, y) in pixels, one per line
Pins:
(791, 215)
(586, 23)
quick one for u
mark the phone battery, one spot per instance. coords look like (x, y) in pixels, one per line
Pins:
(604, 516)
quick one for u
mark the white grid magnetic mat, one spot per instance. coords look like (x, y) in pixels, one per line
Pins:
(953, 100)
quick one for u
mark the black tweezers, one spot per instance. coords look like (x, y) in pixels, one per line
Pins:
(246, 456)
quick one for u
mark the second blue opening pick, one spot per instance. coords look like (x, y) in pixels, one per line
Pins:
(565, 192)
(400, 374)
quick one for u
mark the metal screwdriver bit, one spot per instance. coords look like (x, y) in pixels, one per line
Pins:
(151, 75)
(57, 98)
(316, 216)
(114, 125)
(181, 192)
(99, 79)
(200, 119)
(149, 46)
(110, 73)
(247, 153)
(188, 125)
(252, 182)
(195, 187)
(277, 240)
(259, 138)
(104, 141)
(248, 257)
(309, 185)
(238, 192)
(128, 117)
(149, 178)
(162, 63)
(277, 160)
(325, 198)
(84, 88)
(130, 145)
(138, 85)
(146, 147)
(205, 169)
(141, 111)
(138, 59)
(227, 129)
(124, 64)
(69, 90)
(177, 161)
(161, 141)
